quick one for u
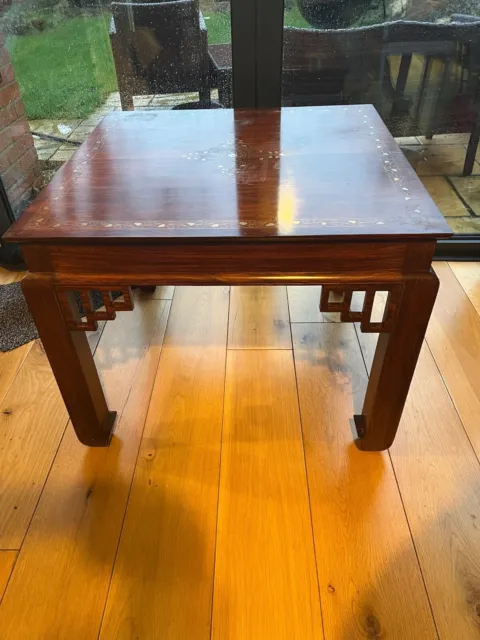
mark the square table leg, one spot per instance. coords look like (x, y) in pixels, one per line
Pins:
(394, 365)
(72, 363)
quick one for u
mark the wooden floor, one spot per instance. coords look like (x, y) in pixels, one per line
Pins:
(232, 502)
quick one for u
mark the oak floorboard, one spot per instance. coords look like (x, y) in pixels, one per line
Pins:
(33, 418)
(265, 575)
(10, 363)
(438, 475)
(7, 277)
(370, 581)
(468, 274)
(259, 318)
(59, 585)
(453, 336)
(7, 562)
(162, 583)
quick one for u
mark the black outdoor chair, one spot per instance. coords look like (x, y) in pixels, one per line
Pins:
(160, 48)
(354, 66)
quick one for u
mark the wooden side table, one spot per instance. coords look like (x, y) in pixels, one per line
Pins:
(292, 196)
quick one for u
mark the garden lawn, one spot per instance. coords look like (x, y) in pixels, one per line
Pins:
(66, 71)
(218, 24)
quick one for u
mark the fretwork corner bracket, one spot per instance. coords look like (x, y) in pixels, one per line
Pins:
(89, 321)
(342, 303)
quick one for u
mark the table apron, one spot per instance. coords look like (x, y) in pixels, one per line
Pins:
(230, 263)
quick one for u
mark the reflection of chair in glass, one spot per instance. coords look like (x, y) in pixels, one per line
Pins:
(333, 14)
(354, 66)
(328, 66)
(160, 48)
(447, 96)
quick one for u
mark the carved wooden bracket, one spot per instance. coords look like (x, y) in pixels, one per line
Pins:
(71, 313)
(364, 316)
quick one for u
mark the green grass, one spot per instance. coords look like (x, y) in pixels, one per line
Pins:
(67, 71)
(293, 18)
(218, 24)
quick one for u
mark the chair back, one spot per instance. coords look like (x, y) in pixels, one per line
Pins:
(163, 41)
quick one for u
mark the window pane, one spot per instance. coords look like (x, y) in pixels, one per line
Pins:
(66, 64)
(417, 61)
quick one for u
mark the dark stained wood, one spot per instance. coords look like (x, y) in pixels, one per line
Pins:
(325, 172)
(291, 196)
(72, 364)
(92, 316)
(364, 316)
(209, 262)
(393, 365)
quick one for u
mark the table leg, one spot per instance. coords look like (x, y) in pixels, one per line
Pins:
(394, 365)
(148, 289)
(72, 364)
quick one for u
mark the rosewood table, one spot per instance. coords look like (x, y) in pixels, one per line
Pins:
(291, 196)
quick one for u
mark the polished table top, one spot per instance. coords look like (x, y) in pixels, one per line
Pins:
(295, 172)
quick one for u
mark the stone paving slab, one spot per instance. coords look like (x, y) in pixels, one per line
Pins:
(63, 153)
(77, 130)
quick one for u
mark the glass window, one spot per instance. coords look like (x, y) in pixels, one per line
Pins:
(418, 62)
(65, 64)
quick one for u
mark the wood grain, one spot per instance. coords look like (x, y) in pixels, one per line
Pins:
(265, 578)
(94, 337)
(272, 173)
(468, 274)
(69, 551)
(304, 304)
(258, 261)
(10, 363)
(32, 420)
(454, 339)
(7, 277)
(438, 476)
(7, 561)
(163, 579)
(439, 480)
(370, 581)
(259, 318)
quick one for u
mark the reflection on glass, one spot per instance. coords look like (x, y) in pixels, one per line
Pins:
(257, 164)
(72, 62)
(418, 62)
